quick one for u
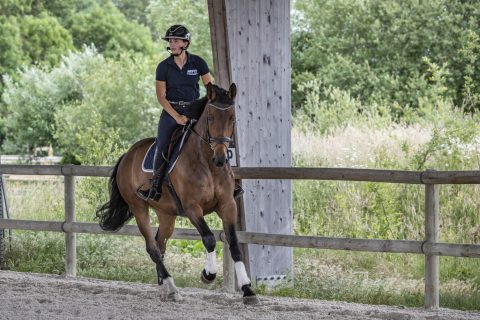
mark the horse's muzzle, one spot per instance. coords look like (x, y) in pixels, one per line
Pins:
(219, 156)
(219, 161)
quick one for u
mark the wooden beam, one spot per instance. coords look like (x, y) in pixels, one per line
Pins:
(342, 174)
(219, 38)
(365, 245)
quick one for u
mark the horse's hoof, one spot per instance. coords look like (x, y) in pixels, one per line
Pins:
(207, 278)
(251, 300)
(173, 296)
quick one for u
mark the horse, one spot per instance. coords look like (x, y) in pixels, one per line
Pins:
(203, 182)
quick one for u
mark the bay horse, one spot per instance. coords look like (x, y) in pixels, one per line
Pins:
(203, 181)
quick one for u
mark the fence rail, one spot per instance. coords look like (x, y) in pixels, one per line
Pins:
(365, 175)
(431, 248)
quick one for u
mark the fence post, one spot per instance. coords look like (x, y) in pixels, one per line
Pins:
(228, 267)
(2, 235)
(432, 295)
(70, 237)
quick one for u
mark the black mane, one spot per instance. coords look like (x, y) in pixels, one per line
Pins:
(221, 96)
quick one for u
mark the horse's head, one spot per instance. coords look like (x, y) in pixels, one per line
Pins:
(220, 113)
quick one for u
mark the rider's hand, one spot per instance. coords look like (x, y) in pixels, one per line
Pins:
(181, 120)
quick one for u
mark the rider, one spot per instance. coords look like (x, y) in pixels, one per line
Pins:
(176, 86)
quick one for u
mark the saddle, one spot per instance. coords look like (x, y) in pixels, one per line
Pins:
(178, 140)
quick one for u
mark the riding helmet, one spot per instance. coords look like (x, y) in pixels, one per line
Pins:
(177, 32)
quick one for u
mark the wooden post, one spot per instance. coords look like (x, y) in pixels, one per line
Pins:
(432, 224)
(70, 237)
(263, 77)
(221, 61)
(2, 239)
(228, 267)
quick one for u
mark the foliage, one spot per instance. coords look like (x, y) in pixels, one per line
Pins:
(32, 101)
(58, 106)
(10, 44)
(133, 10)
(326, 108)
(122, 92)
(375, 50)
(471, 87)
(31, 39)
(39, 32)
(57, 8)
(15, 7)
(107, 28)
(45, 40)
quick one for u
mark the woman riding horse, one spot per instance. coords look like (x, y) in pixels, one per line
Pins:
(176, 87)
(203, 181)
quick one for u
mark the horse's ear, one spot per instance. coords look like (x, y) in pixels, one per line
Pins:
(210, 91)
(232, 91)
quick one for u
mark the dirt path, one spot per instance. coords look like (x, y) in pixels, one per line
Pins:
(36, 296)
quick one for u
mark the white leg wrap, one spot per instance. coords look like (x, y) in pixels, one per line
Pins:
(211, 263)
(242, 277)
(169, 284)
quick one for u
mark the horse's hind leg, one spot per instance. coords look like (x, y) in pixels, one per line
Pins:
(195, 214)
(228, 213)
(166, 225)
(153, 249)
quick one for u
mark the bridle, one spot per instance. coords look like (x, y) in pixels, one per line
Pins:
(214, 141)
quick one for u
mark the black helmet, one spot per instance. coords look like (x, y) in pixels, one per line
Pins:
(177, 32)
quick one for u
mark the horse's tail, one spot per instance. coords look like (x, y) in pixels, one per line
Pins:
(115, 212)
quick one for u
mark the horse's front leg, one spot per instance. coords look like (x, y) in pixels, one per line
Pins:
(195, 214)
(228, 213)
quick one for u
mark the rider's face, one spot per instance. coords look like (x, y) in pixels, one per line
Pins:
(176, 45)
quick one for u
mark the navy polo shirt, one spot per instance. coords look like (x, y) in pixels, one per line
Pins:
(182, 85)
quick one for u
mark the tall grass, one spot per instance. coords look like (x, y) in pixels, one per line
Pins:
(443, 138)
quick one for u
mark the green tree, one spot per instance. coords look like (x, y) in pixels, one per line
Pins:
(122, 93)
(15, 7)
(133, 10)
(375, 49)
(11, 55)
(44, 39)
(32, 101)
(108, 29)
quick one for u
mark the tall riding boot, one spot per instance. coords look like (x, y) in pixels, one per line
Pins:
(155, 191)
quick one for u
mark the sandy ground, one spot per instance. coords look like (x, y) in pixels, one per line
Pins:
(36, 296)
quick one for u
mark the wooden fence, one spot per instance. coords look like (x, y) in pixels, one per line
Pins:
(430, 247)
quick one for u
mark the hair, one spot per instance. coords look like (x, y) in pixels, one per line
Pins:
(115, 212)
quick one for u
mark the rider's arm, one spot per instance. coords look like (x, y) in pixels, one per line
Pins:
(206, 78)
(161, 89)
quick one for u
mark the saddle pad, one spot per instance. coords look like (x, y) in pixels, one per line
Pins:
(147, 164)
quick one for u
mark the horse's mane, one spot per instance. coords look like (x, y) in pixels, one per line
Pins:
(221, 96)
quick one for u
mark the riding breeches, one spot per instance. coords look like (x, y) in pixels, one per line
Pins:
(166, 127)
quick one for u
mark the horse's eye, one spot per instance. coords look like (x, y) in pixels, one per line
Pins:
(210, 118)
(232, 119)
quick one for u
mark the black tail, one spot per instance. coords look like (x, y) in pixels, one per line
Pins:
(114, 213)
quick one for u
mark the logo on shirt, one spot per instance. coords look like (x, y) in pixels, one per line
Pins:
(192, 72)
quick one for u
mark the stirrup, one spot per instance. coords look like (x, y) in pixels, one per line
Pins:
(150, 194)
